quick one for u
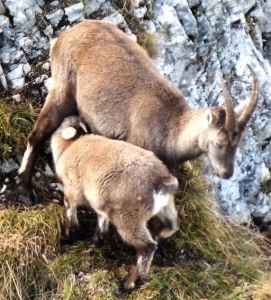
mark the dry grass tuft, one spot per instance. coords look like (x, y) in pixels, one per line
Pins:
(28, 239)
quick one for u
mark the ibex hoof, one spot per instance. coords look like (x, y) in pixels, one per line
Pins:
(27, 195)
(129, 285)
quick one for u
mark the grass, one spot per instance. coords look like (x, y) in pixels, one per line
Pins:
(207, 259)
(16, 120)
(28, 239)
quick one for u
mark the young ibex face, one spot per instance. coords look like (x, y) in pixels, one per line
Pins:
(225, 127)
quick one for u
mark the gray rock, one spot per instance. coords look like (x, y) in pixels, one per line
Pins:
(55, 17)
(25, 43)
(193, 3)
(16, 77)
(54, 3)
(3, 79)
(8, 166)
(74, 12)
(24, 13)
(2, 8)
(92, 6)
(186, 18)
(49, 31)
(117, 19)
(5, 27)
(140, 12)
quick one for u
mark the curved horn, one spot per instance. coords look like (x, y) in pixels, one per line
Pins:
(230, 117)
(250, 106)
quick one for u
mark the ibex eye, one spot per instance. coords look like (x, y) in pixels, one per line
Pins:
(235, 134)
(219, 146)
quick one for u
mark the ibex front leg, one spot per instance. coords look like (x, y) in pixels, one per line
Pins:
(137, 235)
(55, 109)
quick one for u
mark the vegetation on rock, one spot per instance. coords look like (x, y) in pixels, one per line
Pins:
(16, 120)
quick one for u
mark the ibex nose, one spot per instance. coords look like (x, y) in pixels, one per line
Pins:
(226, 174)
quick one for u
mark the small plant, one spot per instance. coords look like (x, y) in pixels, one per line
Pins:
(149, 42)
(16, 121)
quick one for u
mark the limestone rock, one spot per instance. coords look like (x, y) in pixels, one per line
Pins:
(74, 12)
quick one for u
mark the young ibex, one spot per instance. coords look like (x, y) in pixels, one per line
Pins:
(124, 184)
(109, 80)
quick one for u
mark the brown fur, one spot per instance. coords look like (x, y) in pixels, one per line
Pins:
(119, 181)
(99, 72)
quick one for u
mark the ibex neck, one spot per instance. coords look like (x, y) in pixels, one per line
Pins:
(191, 127)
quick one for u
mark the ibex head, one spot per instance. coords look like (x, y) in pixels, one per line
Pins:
(225, 127)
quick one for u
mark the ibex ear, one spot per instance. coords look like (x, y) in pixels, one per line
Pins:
(68, 133)
(216, 117)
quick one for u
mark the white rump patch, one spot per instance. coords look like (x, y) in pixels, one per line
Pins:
(161, 199)
(68, 133)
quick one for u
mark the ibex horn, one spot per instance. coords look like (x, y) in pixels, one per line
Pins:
(250, 106)
(230, 116)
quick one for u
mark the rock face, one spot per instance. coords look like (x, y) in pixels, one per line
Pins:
(199, 43)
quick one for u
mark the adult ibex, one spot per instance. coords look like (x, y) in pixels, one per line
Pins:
(124, 184)
(100, 73)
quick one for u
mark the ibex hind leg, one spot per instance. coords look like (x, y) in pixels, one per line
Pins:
(71, 198)
(57, 106)
(138, 236)
(101, 230)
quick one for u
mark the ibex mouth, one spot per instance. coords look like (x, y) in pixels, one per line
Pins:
(224, 174)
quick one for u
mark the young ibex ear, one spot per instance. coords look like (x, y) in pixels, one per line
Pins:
(216, 117)
(68, 133)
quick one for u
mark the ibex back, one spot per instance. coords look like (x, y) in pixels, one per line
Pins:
(109, 80)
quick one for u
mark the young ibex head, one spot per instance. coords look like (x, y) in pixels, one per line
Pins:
(225, 127)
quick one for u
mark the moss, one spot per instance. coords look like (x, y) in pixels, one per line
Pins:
(16, 121)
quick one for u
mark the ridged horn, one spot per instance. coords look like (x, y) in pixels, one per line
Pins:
(250, 106)
(230, 116)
